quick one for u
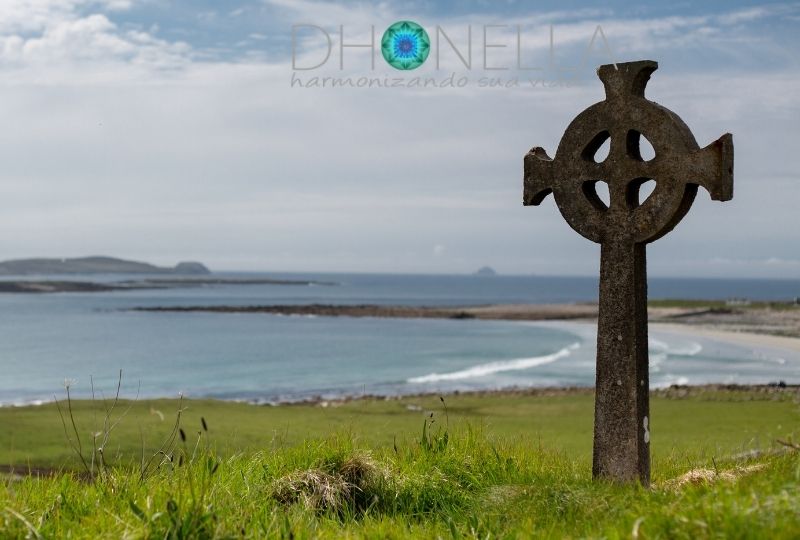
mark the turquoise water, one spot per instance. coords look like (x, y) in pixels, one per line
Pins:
(45, 339)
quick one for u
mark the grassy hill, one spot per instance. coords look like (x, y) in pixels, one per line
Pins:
(490, 466)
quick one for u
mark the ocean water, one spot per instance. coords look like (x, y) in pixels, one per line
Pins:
(47, 339)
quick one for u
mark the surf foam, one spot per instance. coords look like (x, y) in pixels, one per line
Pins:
(490, 368)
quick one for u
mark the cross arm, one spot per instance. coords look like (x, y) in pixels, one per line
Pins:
(712, 168)
(538, 181)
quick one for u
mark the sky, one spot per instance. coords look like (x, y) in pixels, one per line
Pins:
(172, 130)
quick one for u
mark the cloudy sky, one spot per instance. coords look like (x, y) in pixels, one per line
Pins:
(164, 131)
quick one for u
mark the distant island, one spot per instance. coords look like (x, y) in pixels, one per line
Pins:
(485, 271)
(95, 265)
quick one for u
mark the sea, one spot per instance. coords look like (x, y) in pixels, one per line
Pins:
(84, 340)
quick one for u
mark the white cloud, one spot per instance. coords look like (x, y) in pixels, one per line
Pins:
(54, 41)
(21, 16)
(125, 142)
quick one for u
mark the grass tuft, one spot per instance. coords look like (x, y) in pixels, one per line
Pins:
(315, 489)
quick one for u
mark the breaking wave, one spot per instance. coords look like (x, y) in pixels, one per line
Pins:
(482, 370)
(691, 349)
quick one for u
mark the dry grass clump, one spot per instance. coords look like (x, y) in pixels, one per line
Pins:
(361, 470)
(708, 476)
(349, 484)
(315, 489)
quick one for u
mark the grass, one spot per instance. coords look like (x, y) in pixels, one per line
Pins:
(719, 304)
(510, 466)
(703, 424)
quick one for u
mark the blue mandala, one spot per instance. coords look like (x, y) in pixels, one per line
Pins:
(405, 45)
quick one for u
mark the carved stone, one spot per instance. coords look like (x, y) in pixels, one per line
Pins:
(623, 228)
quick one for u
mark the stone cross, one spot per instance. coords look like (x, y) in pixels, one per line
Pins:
(623, 228)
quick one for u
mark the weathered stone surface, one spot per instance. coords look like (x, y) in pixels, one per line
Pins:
(623, 228)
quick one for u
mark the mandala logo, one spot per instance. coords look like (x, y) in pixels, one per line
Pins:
(405, 45)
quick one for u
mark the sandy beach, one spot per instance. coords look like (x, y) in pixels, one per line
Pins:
(749, 339)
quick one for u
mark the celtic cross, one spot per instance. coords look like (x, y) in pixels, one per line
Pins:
(623, 228)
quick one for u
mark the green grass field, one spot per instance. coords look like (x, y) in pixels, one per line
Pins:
(511, 466)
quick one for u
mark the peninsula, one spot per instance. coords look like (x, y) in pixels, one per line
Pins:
(94, 265)
(182, 275)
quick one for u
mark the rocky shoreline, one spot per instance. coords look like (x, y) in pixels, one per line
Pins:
(538, 312)
(714, 392)
(770, 320)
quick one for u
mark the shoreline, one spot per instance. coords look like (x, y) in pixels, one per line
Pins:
(772, 390)
(738, 337)
(674, 391)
